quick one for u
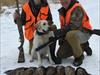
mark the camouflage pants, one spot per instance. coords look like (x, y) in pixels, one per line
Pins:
(75, 38)
(72, 44)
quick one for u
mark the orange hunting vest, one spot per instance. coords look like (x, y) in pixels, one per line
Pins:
(66, 20)
(31, 19)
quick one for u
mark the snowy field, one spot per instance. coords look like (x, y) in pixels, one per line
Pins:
(9, 40)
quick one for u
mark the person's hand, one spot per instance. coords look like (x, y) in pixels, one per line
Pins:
(53, 28)
(66, 28)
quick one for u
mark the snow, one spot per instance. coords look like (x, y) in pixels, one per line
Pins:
(9, 40)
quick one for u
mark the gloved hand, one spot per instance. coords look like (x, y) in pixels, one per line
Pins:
(53, 27)
(62, 11)
(16, 16)
(66, 28)
(52, 39)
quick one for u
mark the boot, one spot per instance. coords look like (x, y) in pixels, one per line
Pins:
(87, 49)
(78, 61)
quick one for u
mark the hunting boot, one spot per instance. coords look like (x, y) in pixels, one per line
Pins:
(78, 61)
(30, 46)
(87, 49)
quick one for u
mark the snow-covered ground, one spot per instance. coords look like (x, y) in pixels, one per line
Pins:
(9, 40)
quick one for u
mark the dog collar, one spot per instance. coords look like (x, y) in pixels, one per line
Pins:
(40, 33)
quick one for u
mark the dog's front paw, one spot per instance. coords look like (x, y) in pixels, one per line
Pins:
(31, 60)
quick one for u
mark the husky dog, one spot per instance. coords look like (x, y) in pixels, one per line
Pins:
(41, 37)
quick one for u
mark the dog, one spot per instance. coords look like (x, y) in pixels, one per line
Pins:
(41, 37)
